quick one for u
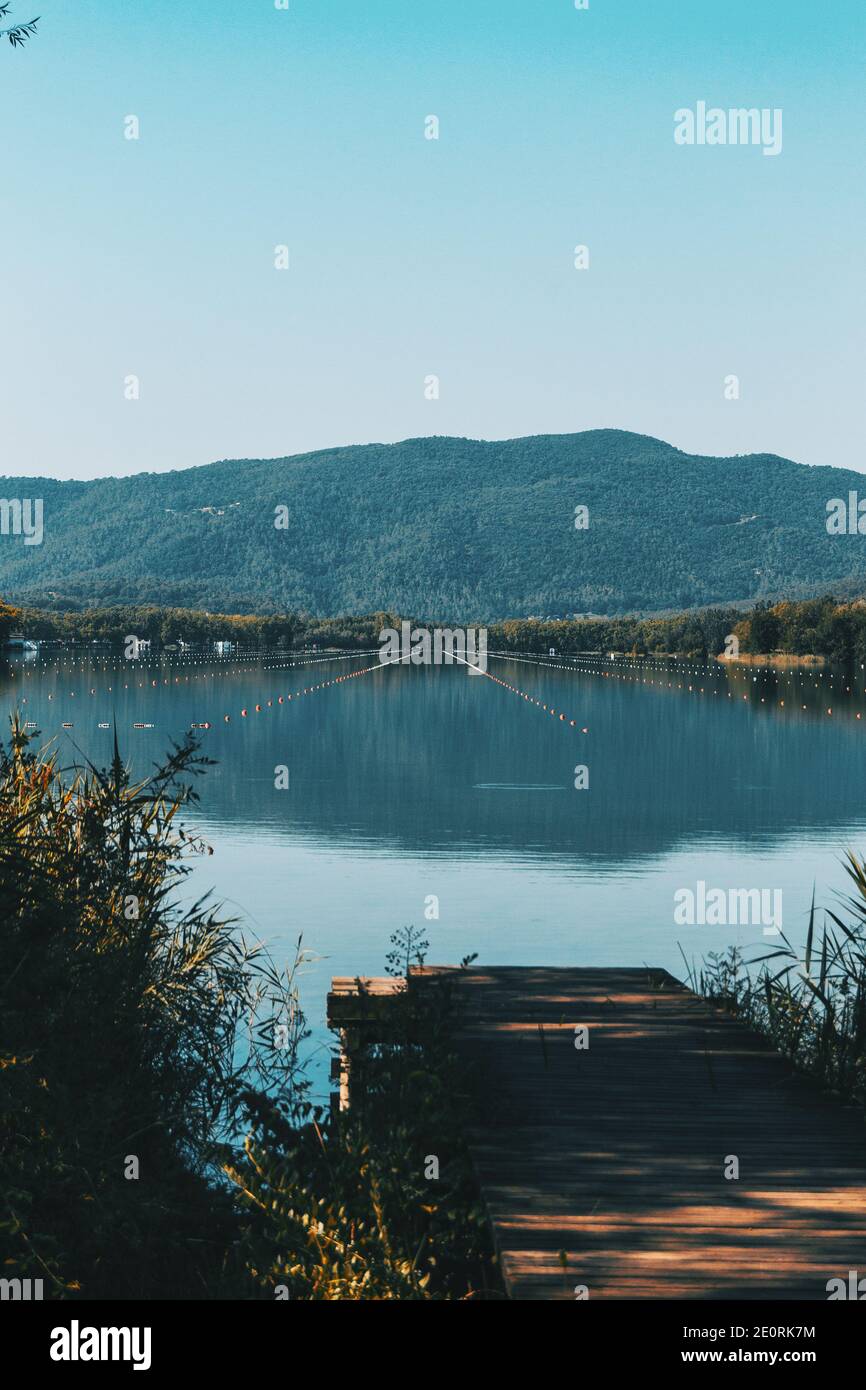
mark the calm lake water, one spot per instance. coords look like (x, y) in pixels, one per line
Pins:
(410, 783)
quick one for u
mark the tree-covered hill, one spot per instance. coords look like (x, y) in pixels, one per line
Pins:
(444, 528)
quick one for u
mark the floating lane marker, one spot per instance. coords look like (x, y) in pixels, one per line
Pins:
(714, 669)
(144, 726)
(310, 689)
(524, 695)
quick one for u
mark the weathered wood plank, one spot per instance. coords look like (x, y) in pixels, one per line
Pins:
(605, 1167)
(613, 1158)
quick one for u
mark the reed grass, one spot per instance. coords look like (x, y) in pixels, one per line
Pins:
(809, 1002)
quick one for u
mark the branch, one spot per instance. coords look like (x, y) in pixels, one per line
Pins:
(19, 33)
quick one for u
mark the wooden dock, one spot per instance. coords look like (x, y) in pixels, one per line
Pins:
(603, 1164)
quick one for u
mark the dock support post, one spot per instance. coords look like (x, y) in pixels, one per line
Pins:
(349, 1044)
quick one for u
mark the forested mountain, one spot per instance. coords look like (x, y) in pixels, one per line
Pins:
(443, 528)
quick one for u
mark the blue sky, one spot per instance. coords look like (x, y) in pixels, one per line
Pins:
(412, 257)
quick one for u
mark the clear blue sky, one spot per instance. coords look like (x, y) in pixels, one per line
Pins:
(411, 257)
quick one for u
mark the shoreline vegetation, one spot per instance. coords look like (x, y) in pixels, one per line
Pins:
(778, 660)
(158, 1135)
(808, 632)
(809, 1003)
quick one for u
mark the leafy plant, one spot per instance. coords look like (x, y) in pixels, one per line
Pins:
(18, 34)
(351, 1209)
(130, 1029)
(408, 947)
(158, 1137)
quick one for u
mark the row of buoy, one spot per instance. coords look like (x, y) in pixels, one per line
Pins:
(257, 708)
(663, 662)
(185, 658)
(268, 660)
(584, 668)
(722, 670)
(267, 664)
(233, 662)
(157, 684)
(530, 699)
(106, 724)
(619, 668)
(307, 690)
(260, 706)
(680, 685)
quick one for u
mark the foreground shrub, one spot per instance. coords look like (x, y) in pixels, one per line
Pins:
(157, 1135)
(382, 1202)
(122, 1056)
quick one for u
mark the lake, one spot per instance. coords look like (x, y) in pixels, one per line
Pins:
(414, 788)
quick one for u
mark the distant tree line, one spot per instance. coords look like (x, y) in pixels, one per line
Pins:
(161, 626)
(822, 627)
(684, 634)
(344, 632)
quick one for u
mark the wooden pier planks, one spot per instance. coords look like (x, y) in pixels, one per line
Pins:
(614, 1157)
